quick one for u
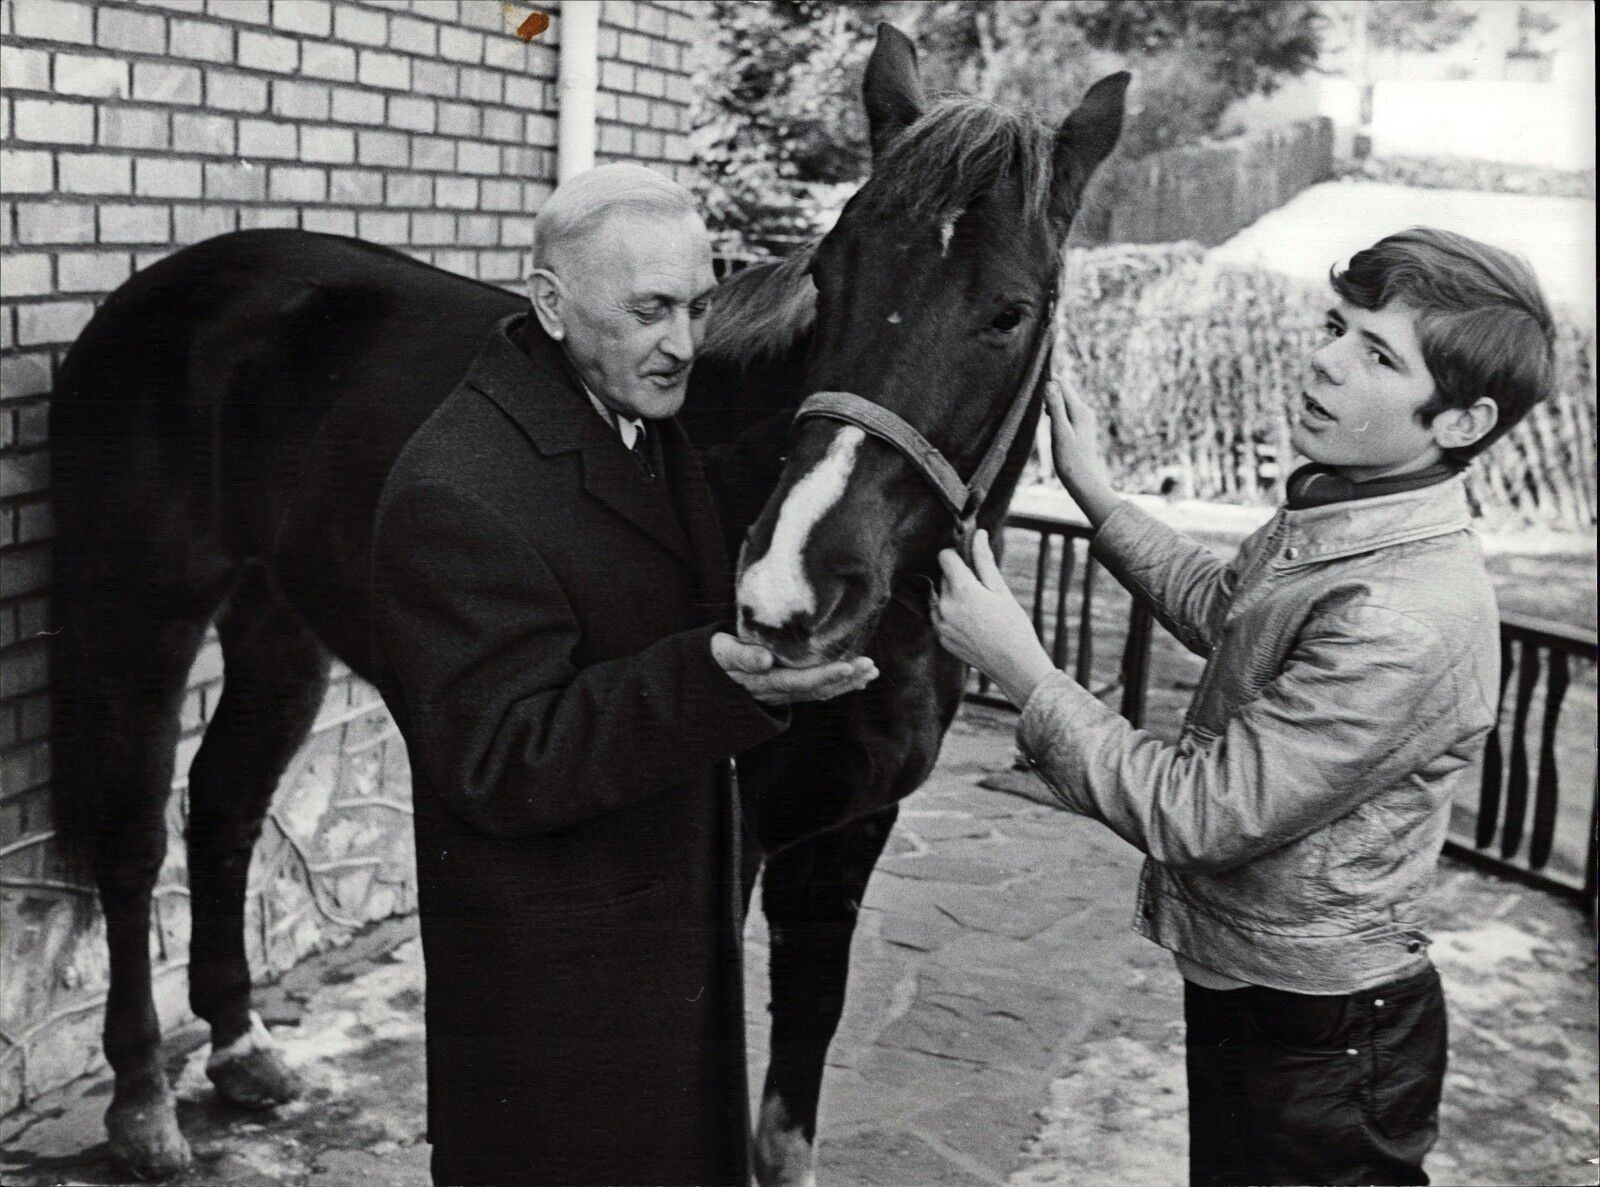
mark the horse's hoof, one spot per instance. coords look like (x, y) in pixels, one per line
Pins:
(251, 1072)
(144, 1136)
(784, 1156)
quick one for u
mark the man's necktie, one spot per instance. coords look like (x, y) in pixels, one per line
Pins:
(641, 449)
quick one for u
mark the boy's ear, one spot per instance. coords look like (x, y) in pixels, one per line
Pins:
(1457, 428)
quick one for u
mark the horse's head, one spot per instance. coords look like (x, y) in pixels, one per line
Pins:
(934, 292)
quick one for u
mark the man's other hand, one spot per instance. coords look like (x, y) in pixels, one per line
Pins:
(754, 669)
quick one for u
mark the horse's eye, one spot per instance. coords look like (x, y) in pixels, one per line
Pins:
(1009, 320)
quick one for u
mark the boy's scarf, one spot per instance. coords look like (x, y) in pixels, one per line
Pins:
(1316, 485)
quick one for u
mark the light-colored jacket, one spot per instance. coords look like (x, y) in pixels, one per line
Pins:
(1351, 677)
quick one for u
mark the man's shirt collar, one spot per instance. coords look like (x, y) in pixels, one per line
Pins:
(628, 427)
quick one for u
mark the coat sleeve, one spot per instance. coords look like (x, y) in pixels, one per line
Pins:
(477, 639)
(1367, 697)
(1185, 584)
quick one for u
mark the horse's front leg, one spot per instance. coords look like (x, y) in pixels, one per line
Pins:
(811, 893)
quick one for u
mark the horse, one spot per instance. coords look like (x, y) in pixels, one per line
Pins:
(223, 426)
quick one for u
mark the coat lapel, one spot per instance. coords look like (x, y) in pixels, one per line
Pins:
(692, 493)
(611, 476)
(536, 387)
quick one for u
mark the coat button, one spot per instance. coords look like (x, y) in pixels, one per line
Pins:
(1291, 553)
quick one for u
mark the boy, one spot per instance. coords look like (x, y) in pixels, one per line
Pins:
(1351, 677)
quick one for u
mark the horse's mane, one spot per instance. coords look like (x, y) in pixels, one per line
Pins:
(762, 311)
(958, 149)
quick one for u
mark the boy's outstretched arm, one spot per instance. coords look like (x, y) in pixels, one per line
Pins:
(1185, 585)
(1369, 696)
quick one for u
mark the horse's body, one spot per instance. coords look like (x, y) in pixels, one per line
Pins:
(221, 432)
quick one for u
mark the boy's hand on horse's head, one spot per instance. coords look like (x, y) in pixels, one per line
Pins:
(982, 624)
(755, 669)
(1075, 447)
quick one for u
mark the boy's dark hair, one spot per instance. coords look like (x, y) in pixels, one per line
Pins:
(1483, 324)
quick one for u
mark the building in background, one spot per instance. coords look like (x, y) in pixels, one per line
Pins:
(1507, 81)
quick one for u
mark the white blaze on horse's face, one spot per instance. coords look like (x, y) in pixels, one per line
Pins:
(774, 591)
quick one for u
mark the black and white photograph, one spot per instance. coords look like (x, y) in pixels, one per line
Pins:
(798, 593)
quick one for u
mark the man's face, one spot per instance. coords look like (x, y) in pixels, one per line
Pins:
(1367, 381)
(635, 310)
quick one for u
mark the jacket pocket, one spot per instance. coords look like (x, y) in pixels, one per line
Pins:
(1406, 1055)
(1312, 1024)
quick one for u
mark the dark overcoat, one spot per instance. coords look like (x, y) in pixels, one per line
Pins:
(542, 614)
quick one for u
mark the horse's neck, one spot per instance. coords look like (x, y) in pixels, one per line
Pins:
(752, 365)
(726, 397)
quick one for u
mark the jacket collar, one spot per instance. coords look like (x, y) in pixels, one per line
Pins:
(535, 385)
(1355, 526)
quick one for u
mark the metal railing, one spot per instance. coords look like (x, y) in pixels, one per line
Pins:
(1526, 804)
(1520, 798)
(1055, 630)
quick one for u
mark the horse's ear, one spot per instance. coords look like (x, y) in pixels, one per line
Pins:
(1084, 140)
(892, 88)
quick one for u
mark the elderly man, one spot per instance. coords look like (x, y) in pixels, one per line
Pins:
(548, 579)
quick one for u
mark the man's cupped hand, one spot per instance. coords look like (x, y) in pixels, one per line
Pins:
(756, 670)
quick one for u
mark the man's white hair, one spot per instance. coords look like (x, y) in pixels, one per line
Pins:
(581, 205)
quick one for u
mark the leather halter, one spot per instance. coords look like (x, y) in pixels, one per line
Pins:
(962, 499)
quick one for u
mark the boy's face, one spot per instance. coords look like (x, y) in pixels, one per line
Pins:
(1367, 381)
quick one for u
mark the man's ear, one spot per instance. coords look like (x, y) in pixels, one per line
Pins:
(1457, 428)
(548, 301)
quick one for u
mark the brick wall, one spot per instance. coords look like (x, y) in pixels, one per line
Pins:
(130, 129)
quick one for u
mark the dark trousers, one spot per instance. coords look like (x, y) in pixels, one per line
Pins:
(1291, 1088)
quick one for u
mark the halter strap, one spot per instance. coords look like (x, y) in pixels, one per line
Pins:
(898, 432)
(962, 499)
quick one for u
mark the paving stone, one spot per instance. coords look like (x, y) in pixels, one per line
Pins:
(393, 1167)
(992, 1129)
(901, 845)
(919, 935)
(1116, 1115)
(1024, 785)
(890, 1158)
(904, 1080)
(985, 807)
(1021, 910)
(936, 868)
(986, 1025)
(945, 826)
